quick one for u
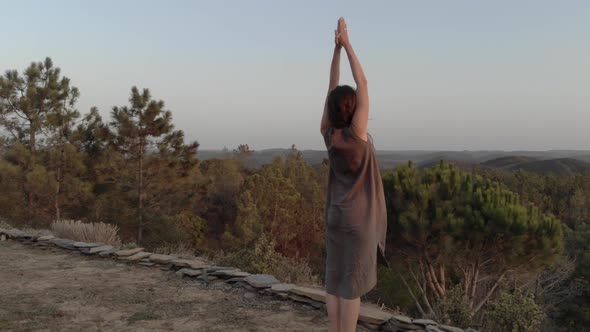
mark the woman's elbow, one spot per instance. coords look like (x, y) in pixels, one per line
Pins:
(362, 82)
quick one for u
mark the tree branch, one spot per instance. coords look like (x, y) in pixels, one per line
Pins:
(422, 290)
(485, 299)
(412, 294)
(431, 273)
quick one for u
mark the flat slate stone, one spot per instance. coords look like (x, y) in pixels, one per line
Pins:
(136, 257)
(204, 277)
(45, 238)
(303, 299)
(448, 328)
(147, 264)
(99, 249)
(282, 288)
(162, 259)
(16, 233)
(13, 233)
(230, 274)
(220, 273)
(192, 263)
(107, 253)
(238, 274)
(63, 242)
(128, 252)
(299, 298)
(233, 280)
(373, 315)
(424, 322)
(58, 240)
(261, 280)
(188, 272)
(66, 245)
(402, 319)
(395, 326)
(312, 293)
(86, 245)
(432, 328)
(220, 268)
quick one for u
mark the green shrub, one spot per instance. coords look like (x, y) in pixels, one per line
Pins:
(129, 245)
(516, 312)
(184, 232)
(4, 225)
(390, 288)
(454, 308)
(263, 258)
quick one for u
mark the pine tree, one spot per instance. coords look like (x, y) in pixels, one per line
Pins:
(283, 200)
(65, 159)
(445, 222)
(144, 135)
(29, 106)
(223, 180)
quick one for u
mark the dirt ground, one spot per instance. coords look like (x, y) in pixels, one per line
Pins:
(54, 290)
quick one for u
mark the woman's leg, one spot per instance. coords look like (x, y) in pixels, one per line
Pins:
(333, 308)
(349, 314)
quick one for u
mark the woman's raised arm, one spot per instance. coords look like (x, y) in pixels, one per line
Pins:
(361, 115)
(334, 80)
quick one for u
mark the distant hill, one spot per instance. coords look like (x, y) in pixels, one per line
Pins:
(508, 162)
(466, 166)
(559, 166)
(553, 161)
(585, 158)
(563, 166)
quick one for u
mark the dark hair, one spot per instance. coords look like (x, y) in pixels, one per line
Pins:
(341, 106)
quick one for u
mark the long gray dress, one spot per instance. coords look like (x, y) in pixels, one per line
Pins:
(356, 216)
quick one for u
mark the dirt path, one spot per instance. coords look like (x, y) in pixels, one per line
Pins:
(59, 291)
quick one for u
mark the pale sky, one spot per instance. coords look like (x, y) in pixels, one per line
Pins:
(447, 75)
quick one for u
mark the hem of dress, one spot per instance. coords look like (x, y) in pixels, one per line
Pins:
(351, 296)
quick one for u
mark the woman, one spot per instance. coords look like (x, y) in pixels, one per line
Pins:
(356, 218)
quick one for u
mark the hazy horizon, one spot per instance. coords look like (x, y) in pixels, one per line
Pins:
(453, 75)
(231, 149)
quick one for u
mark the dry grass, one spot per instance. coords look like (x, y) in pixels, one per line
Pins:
(177, 249)
(87, 232)
(4, 225)
(26, 229)
(39, 232)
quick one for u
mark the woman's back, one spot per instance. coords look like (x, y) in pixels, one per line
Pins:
(356, 215)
